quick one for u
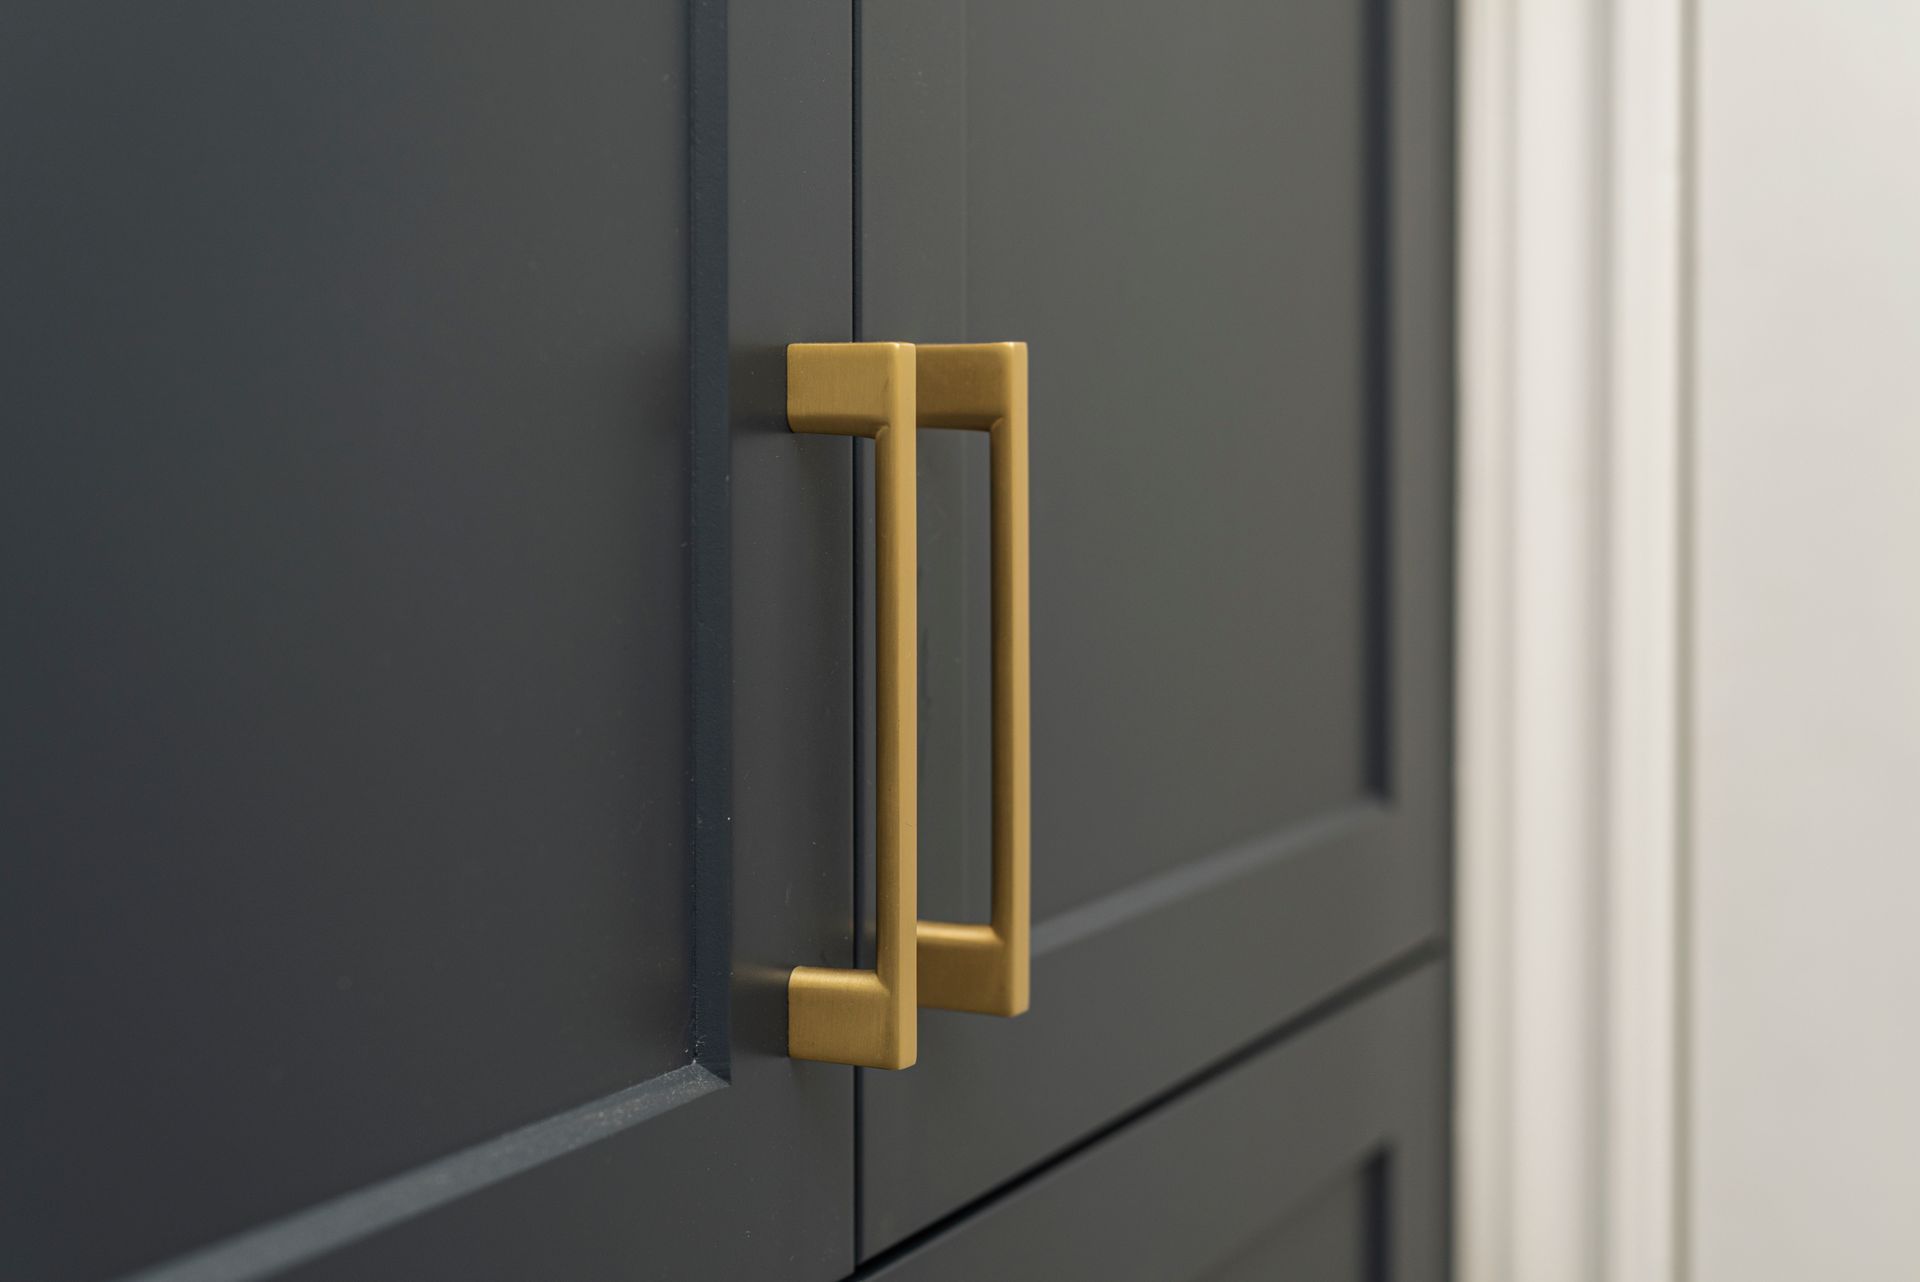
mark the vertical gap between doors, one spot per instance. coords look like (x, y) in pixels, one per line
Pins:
(859, 669)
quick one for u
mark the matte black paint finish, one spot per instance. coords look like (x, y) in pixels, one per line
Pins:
(356, 672)
(1320, 1158)
(1224, 230)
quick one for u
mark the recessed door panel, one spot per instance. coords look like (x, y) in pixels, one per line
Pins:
(376, 900)
(1222, 230)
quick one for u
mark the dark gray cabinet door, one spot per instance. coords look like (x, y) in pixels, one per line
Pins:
(373, 903)
(1224, 229)
(1318, 1155)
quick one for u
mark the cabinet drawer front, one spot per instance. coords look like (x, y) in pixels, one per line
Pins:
(1318, 1157)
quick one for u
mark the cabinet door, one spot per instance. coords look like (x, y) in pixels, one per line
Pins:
(373, 903)
(1224, 230)
(1318, 1155)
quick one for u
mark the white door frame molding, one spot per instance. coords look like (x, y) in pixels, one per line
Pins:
(1574, 126)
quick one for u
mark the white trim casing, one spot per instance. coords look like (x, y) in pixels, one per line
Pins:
(1571, 542)
(1648, 454)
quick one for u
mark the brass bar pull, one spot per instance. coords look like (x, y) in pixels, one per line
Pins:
(982, 387)
(870, 1017)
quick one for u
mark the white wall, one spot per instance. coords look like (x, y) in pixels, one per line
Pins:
(1802, 1086)
(1689, 699)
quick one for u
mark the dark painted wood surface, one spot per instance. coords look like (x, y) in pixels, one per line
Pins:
(1328, 1237)
(1317, 1157)
(431, 666)
(370, 862)
(1225, 231)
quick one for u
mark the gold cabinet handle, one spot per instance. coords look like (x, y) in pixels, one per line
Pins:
(982, 387)
(869, 1017)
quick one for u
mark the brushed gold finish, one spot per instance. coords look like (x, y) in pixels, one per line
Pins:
(982, 387)
(870, 1017)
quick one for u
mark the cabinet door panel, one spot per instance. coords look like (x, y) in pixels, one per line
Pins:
(1317, 1156)
(1224, 230)
(373, 901)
